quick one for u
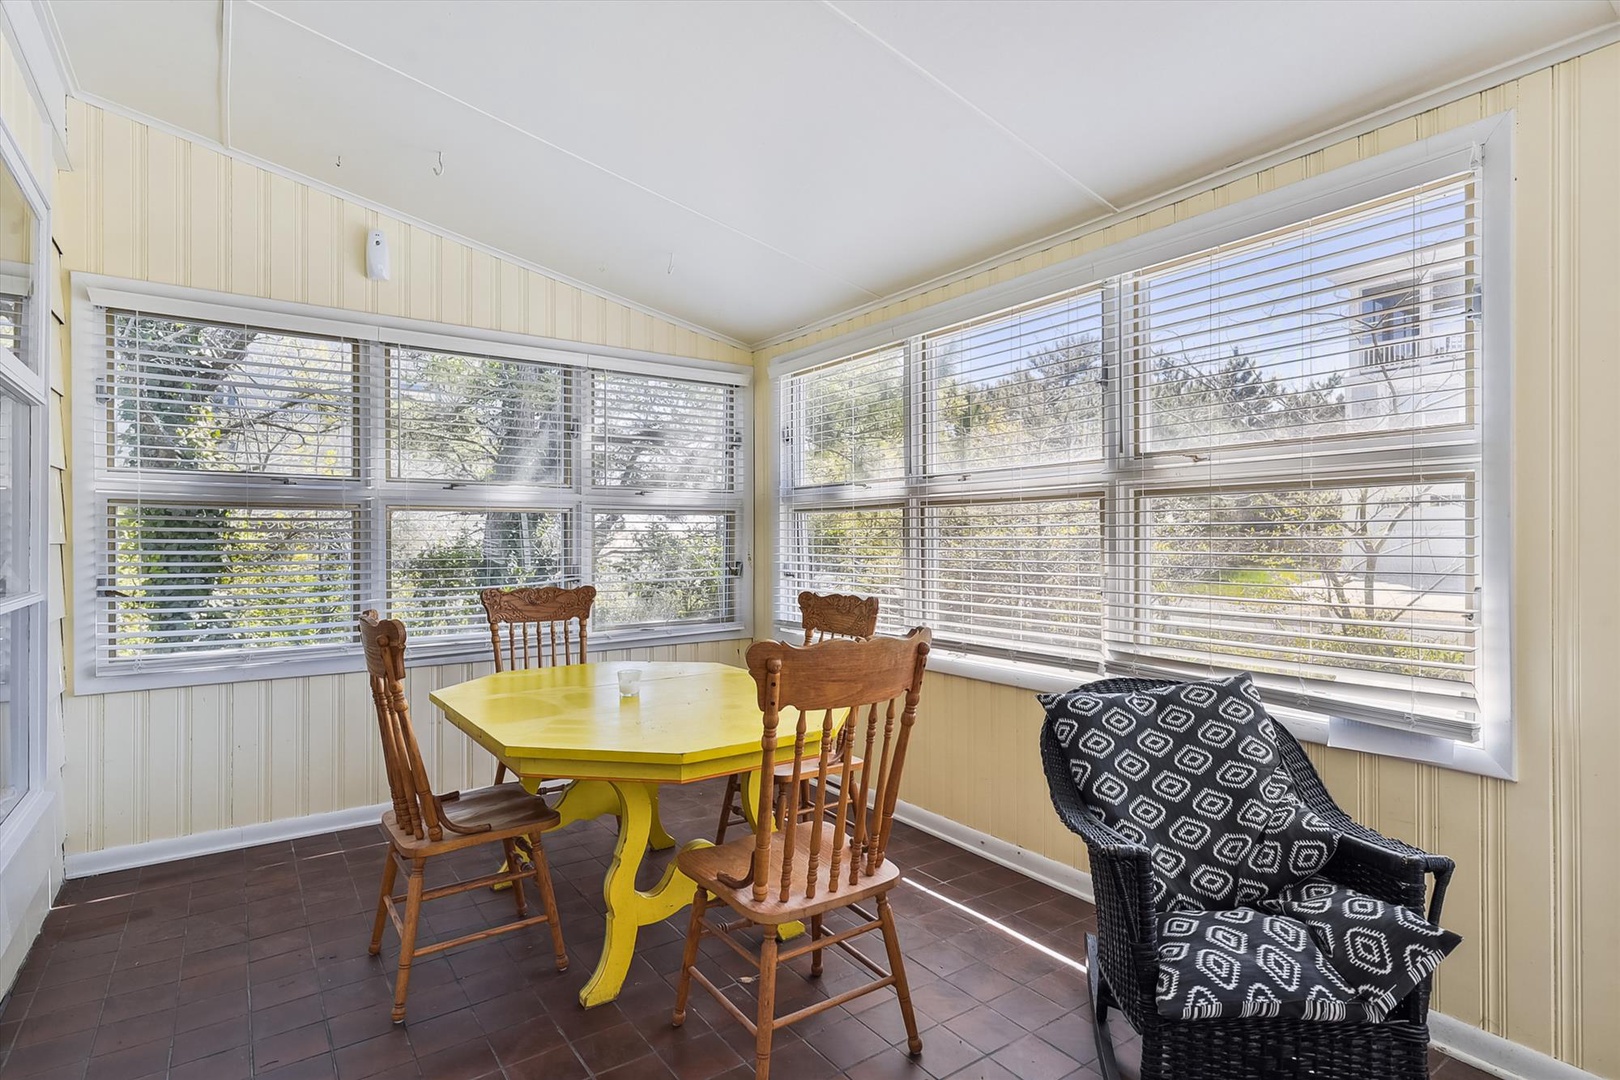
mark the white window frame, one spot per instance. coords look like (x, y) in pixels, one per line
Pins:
(1485, 145)
(93, 294)
(29, 382)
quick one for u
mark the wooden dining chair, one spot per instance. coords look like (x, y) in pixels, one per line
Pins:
(544, 626)
(814, 868)
(824, 616)
(419, 826)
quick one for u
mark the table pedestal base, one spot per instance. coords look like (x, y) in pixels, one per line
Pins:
(635, 804)
(628, 908)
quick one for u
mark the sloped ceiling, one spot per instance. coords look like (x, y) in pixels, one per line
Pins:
(754, 167)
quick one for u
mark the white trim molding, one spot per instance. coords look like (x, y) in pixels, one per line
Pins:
(153, 852)
(1059, 875)
(1496, 1055)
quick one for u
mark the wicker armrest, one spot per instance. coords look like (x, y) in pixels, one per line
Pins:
(1121, 885)
(1379, 865)
(1390, 871)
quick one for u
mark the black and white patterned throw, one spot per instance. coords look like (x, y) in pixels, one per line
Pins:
(1191, 771)
(1317, 951)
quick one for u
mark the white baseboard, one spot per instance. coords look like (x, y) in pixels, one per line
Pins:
(1061, 876)
(1468, 1044)
(86, 863)
(1496, 1055)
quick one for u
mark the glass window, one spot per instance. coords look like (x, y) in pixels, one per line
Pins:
(258, 488)
(439, 561)
(1267, 455)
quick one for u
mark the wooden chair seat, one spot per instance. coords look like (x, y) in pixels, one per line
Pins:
(507, 809)
(834, 768)
(711, 866)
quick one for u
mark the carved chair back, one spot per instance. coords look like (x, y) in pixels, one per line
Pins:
(416, 808)
(837, 615)
(544, 625)
(850, 690)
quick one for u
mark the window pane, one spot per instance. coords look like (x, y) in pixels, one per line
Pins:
(17, 232)
(1379, 578)
(1019, 390)
(477, 419)
(18, 526)
(850, 422)
(189, 580)
(1353, 323)
(1023, 576)
(846, 551)
(662, 433)
(201, 397)
(438, 560)
(661, 568)
(17, 669)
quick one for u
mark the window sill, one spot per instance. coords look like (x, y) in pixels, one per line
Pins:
(1492, 756)
(426, 654)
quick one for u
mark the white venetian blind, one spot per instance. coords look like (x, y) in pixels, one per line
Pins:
(663, 568)
(1264, 456)
(1017, 390)
(1355, 324)
(655, 433)
(1317, 390)
(440, 559)
(229, 462)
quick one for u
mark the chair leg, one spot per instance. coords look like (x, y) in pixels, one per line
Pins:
(815, 957)
(390, 871)
(733, 788)
(1099, 1013)
(518, 898)
(407, 938)
(765, 1024)
(500, 771)
(548, 899)
(694, 932)
(897, 965)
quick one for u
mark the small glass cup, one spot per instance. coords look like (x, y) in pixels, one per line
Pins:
(629, 682)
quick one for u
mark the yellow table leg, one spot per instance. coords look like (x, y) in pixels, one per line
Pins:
(628, 908)
(659, 838)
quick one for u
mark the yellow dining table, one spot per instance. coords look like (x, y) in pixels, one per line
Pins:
(689, 722)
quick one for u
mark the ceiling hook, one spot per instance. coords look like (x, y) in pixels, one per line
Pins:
(439, 171)
(340, 161)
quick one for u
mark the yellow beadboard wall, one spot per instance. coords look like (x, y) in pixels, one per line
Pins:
(1539, 865)
(143, 204)
(166, 763)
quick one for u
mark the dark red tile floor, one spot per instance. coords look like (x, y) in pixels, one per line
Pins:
(253, 963)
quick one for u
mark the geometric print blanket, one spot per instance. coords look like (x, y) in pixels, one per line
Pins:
(1192, 772)
(1318, 951)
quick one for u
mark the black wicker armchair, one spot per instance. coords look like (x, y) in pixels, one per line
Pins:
(1122, 957)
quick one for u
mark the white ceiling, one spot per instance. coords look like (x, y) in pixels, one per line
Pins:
(754, 167)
